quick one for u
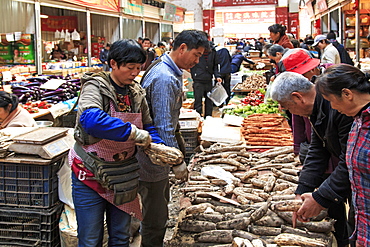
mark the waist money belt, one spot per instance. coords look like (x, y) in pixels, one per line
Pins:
(120, 176)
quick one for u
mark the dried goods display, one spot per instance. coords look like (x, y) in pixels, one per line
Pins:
(248, 202)
(267, 130)
(253, 82)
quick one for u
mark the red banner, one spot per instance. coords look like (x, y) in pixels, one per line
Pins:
(111, 5)
(179, 16)
(53, 23)
(208, 20)
(293, 24)
(282, 15)
(249, 17)
(223, 3)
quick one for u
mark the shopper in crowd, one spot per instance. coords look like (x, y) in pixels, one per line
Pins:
(344, 56)
(237, 60)
(247, 46)
(224, 59)
(140, 40)
(202, 74)
(348, 90)
(329, 54)
(275, 53)
(150, 53)
(320, 186)
(12, 114)
(160, 49)
(278, 36)
(57, 53)
(113, 117)
(260, 43)
(103, 56)
(295, 43)
(164, 92)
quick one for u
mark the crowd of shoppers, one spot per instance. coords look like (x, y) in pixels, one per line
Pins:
(115, 111)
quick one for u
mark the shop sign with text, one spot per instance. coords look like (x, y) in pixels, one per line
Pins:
(169, 12)
(111, 5)
(53, 23)
(134, 7)
(249, 17)
(223, 3)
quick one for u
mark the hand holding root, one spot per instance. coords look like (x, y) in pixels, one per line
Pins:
(310, 208)
(181, 172)
(163, 155)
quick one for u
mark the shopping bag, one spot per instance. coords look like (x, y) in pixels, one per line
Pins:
(218, 94)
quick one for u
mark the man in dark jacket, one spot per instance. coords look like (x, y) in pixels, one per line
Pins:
(202, 75)
(344, 56)
(330, 129)
(224, 59)
(103, 56)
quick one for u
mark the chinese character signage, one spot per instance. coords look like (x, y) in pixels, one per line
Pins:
(208, 20)
(111, 5)
(169, 12)
(222, 3)
(5, 50)
(282, 15)
(249, 17)
(134, 7)
(179, 16)
(293, 24)
(53, 23)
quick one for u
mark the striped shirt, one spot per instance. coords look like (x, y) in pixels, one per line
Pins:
(164, 93)
(358, 157)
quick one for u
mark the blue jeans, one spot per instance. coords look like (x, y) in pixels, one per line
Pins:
(90, 208)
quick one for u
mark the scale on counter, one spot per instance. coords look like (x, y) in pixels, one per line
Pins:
(47, 142)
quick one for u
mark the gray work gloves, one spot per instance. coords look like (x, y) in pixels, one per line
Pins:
(141, 137)
(181, 172)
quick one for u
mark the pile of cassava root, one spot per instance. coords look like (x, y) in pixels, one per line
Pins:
(253, 209)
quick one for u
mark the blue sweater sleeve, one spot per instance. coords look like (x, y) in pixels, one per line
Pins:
(153, 133)
(99, 124)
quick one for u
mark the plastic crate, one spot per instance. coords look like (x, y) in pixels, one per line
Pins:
(191, 138)
(30, 227)
(28, 185)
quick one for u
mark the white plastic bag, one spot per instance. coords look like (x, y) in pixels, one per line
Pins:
(57, 34)
(67, 37)
(218, 94)
(75, 35)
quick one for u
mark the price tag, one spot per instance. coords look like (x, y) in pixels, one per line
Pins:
(7, 76)
(52, 84)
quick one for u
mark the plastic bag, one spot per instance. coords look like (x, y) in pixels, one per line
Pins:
(75, 35)
(218, 94)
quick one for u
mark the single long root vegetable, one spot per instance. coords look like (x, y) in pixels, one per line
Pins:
(225, 209)
(249, 174)
(282, 197)
(238, 224)
(225, 161)
(292, 239)
(161, 154)
(270, 220)
(264, 230)
(260, 212)
(196, 225)
(215, 236)
(287, 205)
(244, 234)
(200, 208)
(277, 151)
(321, 236)
(269, 184)
(208, 217)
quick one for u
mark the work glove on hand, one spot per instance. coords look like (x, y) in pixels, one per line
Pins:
(181, 172)
(141, 137)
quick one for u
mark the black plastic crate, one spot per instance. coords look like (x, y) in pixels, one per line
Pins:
(191, 138)
(29, 185)
(30, 227)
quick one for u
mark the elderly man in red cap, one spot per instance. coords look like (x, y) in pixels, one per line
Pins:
(323, 181)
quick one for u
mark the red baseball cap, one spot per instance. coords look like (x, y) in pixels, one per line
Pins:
(298, 60)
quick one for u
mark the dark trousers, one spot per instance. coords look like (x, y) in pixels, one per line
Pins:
(154, 198)
(200, 90)
(338, 212)
(226, 79)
